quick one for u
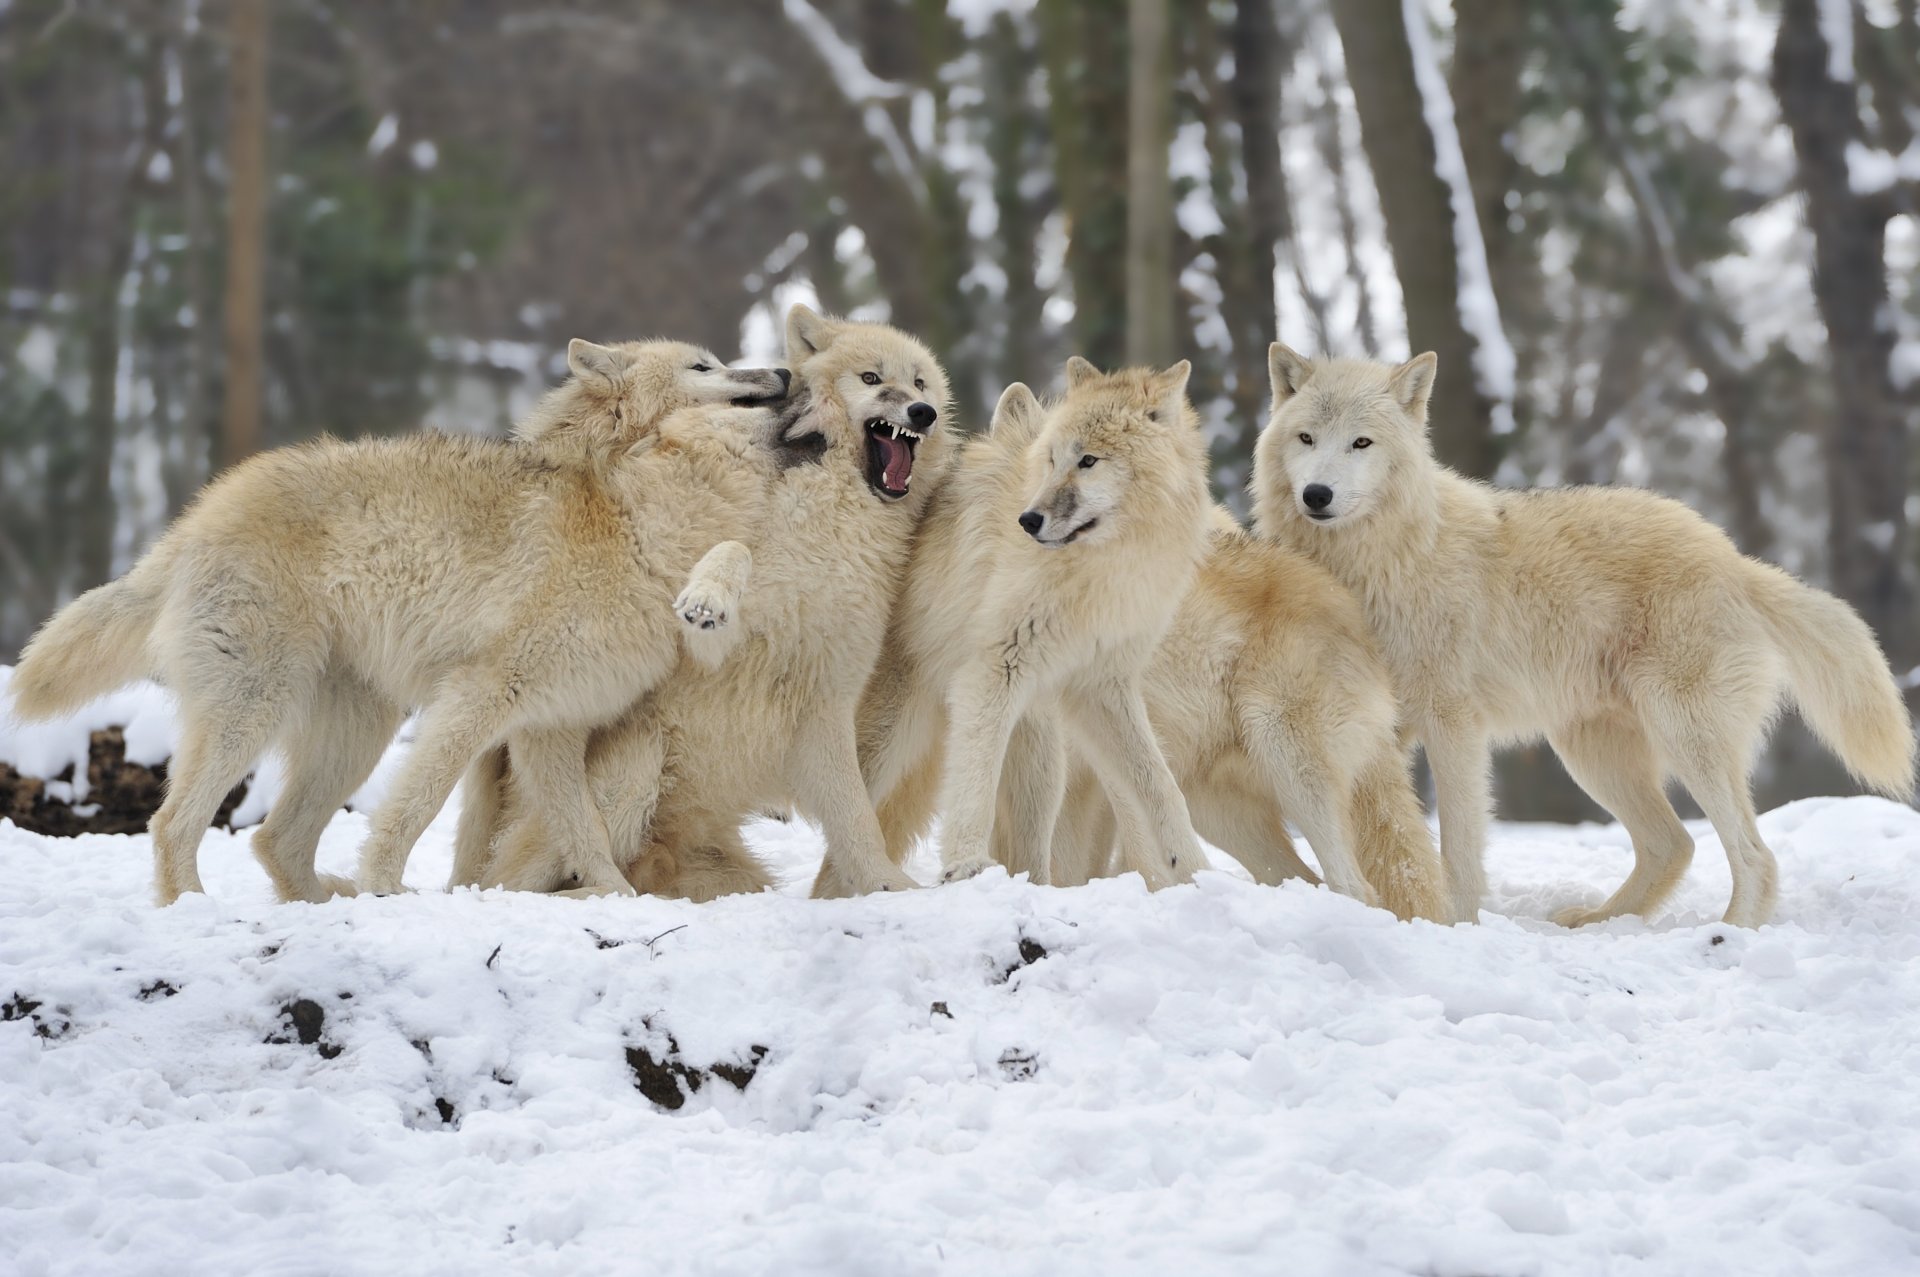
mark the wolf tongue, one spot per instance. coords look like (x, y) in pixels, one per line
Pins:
(898, 465)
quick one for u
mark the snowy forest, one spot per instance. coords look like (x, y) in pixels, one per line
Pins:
(1668, 243)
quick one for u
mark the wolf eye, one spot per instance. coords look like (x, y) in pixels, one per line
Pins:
(1363, 442)
(1307, 439)
(871, 378)
(919, 383)
(703, 368)
(1088, 461)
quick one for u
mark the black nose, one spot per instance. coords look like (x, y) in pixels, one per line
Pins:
(921, 415)
(1031, 521)
(1318, 496)
(786, 379)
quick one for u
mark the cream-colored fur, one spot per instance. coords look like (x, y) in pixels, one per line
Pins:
(1270, 700)
(1620, 625)
(1005, 624)
(311, 594)
(774, 727)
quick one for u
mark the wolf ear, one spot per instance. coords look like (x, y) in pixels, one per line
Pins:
(593, 364)
(1079, 372)
(1412, 382)
(1170, 389)
(1016, 418)
(808, 333)
(1288, 370)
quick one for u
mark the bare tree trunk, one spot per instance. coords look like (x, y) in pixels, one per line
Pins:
(1489, 46)
(1401, 149)
(1008, 126)
(240, 432)
(1149, 188)
(1083, 42)
(1866, 446)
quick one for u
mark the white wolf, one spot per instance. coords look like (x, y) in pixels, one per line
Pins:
(1270, 700)
(311, 594)
(1621, 625)
(1057, 552)
(774, 727)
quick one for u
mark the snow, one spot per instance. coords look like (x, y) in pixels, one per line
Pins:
(987, 1077)
(1494, 360)
(1836, 28)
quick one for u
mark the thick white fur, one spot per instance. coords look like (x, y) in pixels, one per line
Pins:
(1270, 700)
(1618, 624)
(312, 593)
(995, 624)
(774, 727)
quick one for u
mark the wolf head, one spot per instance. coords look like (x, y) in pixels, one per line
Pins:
(617, 394)
(1345, 438)
(1122, 448)
(879, 396)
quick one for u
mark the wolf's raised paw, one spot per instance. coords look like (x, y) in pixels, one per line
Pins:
(701, 615)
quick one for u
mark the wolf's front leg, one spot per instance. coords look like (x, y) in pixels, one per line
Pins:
(1459, 754)
(710, 604)
(982, 708)
(480, 818)
(1033, 783)
(825, 771)
(1119, 742)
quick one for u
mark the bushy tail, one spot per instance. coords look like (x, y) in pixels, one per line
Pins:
(1841, 682)
(92, 646)
(1393, 844)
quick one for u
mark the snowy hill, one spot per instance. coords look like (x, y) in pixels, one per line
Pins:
(989, 1077)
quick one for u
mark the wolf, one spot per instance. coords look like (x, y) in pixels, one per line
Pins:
(311, 594)
(1270, 700)
(1053, 562)
(774, 726)
(1620, 625)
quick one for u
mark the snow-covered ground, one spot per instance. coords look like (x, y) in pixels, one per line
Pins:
(990, 1077)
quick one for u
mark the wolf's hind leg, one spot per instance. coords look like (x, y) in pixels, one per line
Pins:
(472, 713)
(1613, 760)
(329, 755)
(710, 604)
(560, 839)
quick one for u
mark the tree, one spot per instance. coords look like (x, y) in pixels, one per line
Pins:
(1407, 130)
(1149, 188)
(245, 312)
(1865, 442)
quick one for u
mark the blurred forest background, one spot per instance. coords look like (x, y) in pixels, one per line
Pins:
(1671, 243)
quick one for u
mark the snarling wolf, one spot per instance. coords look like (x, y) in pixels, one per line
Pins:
(772, 727)
(1051, 564)
(311, 594)
(1620, 625)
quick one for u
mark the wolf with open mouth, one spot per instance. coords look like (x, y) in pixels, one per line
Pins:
(862, 442)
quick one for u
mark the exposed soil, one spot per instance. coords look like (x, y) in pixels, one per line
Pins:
(121, 796)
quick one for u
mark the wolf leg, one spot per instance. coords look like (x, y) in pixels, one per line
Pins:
(471, 714)
(710, 603)
(1613, 761)
(481, 806)
(560, 839)
(1033, 782)
(347, 728)
(1463, 786)
(825, 770)
(1119, 742)
(981, 713)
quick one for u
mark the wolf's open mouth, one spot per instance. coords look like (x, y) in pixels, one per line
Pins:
(890, 457)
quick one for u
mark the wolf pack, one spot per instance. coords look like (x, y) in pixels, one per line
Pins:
(684, 594)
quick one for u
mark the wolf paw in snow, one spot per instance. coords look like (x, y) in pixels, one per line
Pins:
(962, 870)
(1579, 915)
(331, 885)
